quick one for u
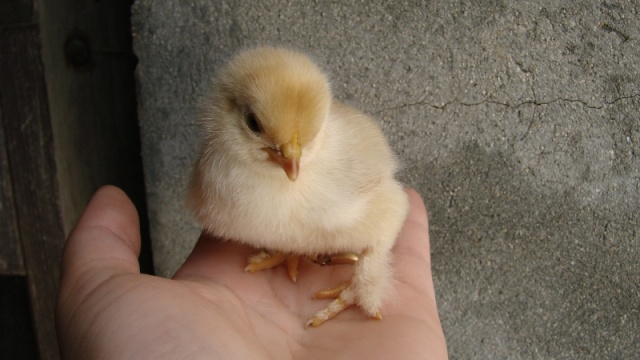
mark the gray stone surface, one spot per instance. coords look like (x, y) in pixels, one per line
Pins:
(518, 123)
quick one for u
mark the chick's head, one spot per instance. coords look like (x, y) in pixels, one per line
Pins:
(273, 103)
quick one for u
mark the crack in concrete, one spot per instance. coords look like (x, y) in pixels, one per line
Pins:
(443, 106)
(610, 29)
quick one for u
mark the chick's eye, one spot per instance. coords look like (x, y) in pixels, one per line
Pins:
(253, 123)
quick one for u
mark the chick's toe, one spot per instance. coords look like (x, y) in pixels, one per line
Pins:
(344, 297)
(264, 260)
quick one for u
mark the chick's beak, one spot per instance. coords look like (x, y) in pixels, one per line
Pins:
(288, 157)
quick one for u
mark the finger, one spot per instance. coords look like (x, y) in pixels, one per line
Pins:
(412, 258)
(107, 236)
(413, 239)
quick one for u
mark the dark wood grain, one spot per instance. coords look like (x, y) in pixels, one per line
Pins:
(29, 144)
(68, 126)
(10, 250)
(90, 76)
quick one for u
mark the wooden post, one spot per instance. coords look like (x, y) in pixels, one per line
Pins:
(67, 126)
(30, 154)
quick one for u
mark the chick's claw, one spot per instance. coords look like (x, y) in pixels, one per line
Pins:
(264, 260)
(332, 293)
(344, 297)
(292, 266)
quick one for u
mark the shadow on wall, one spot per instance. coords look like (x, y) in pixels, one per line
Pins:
(527, 266)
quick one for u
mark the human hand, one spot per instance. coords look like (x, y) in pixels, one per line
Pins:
(213, 309)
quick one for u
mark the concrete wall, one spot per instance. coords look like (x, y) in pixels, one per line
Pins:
(518, 123)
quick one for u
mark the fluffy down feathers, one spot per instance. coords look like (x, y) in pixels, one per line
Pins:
(271, 110)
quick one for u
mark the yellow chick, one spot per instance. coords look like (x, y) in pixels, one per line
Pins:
(286, 168)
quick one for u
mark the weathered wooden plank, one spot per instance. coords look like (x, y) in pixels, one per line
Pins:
(67, 96)
(16, 12)
(10, 250)
(89, 71)
(12, 13)
(23, 98)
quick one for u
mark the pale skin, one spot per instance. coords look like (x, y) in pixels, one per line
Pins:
(212, 309)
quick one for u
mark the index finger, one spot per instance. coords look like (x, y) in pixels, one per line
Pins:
(414, 237)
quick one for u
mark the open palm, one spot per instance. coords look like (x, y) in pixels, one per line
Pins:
(212, 309)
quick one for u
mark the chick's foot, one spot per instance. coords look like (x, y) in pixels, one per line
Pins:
(264, 260)
(344, 297)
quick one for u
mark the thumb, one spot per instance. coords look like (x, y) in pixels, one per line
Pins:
(106, 238)
(104, 244)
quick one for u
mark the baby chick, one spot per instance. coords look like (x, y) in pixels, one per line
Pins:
(286, 168)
